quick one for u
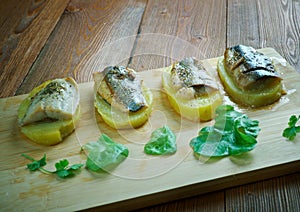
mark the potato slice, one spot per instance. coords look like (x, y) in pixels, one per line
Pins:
(197, 109)
(50, 133)
(118, 119)
(46, 132)
(252, 98)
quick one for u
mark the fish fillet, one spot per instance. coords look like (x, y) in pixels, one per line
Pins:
(250, 69)
(58, 100)
(121, 88)
(191, 80)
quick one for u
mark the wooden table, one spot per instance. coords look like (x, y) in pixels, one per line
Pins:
(42, 40)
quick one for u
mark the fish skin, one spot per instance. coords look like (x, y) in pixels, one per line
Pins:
(121, 88)
(190, 79)
(247, 67)
(58, 100)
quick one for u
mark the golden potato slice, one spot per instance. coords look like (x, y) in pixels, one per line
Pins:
(252, 98)
(121, 120)
(47, 132)
(52, 132)
(197, 109)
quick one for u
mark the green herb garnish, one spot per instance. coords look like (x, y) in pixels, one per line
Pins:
(104, 154)
(233, 133)
(63, 170)
(163, 141)
(291, 131)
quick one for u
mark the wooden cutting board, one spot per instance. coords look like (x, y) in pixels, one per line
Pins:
(143, 180)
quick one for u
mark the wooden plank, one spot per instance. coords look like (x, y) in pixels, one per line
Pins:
(260, 24)
(272, 195)
(204, 203)
(25, 32)
(91, 36)
(171, 30)
(142, 180)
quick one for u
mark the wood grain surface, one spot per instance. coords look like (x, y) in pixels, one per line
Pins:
(178, 28)
(24, 37)
(47, 39)
(85, 39)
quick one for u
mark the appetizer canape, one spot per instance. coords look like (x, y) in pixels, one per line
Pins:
(50, 111)
(249, 77)
(121, 99)
(190, 90)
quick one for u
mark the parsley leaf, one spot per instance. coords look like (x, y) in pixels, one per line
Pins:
(61, 164)
(291, 131)
(233, 133)
(36, 164)
(62, 168)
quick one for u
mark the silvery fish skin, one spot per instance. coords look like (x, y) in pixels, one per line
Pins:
(121, 88)
(190, 79)
(250, 68)
(58, 100)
